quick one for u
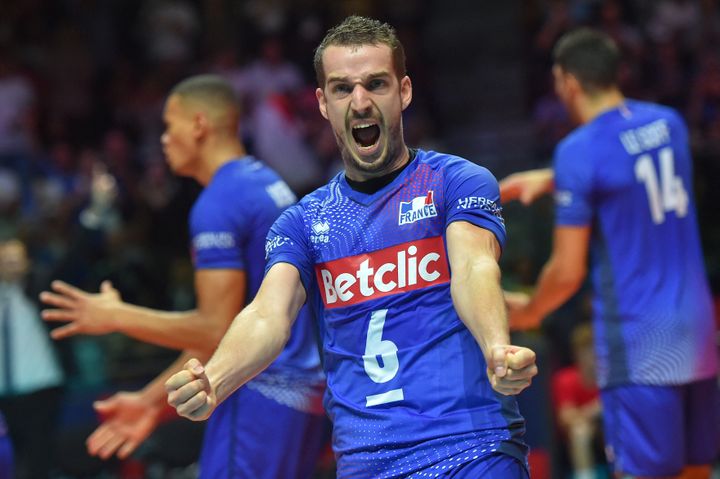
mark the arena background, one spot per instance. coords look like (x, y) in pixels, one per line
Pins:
(82, 84)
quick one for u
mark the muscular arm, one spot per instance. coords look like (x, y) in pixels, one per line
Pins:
(560, 278)
(220, 295)
(478, 299)
(255, 338)
(475, 283)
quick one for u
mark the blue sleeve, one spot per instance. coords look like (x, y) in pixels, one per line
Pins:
(472, 195)
(287, 242)
(218, 235)
(573, 185)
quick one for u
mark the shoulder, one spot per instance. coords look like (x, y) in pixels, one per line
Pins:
(453, 165)
(307, 206)
(655, 111)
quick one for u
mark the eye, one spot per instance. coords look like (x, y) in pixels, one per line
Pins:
(376, 84)
(341, 88)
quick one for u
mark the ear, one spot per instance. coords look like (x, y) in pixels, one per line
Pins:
(572, 84)
(322, 102)
(405, 91)
(201, 124)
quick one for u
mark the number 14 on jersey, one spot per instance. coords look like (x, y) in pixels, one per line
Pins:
(665, 192)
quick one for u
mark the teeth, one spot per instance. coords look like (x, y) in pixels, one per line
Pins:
(365, 125)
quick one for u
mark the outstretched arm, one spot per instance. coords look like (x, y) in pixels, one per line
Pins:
(478, 299)
(560, 278)
(527, 186)
(255, 338)
(220, 295)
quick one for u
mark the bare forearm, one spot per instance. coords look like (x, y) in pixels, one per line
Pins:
(176, 330)
(252, 342)
(553, 289)
(478, 299)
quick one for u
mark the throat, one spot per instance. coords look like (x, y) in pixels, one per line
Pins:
(373, 185)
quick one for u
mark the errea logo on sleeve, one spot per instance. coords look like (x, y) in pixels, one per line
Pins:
(417, 209)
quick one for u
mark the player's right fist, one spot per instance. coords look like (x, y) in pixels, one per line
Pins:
(189, 392)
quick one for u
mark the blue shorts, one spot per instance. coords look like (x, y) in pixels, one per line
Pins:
(251, 436)
(494, 466)
(658, 430)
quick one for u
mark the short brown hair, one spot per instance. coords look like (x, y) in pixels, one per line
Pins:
(356, 30)
(591, 56)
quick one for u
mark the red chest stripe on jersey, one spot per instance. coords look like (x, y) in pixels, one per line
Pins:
(397, 269)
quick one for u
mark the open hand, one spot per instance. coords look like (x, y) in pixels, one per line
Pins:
(86, 313)
(128, 419)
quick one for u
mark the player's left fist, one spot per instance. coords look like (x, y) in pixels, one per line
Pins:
(190, 393)
(511, 368)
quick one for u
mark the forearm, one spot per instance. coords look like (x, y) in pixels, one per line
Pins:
(175, 330)
(478, 299)
(554, 287)
(253, 341)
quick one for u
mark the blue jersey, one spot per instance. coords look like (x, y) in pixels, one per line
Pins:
(628, 174)
(406, 380)
(228, 225)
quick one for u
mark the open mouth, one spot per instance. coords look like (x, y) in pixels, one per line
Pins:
(366, 134)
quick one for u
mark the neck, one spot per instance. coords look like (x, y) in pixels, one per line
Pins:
(592, 106)
(400, 160)
(216, 156)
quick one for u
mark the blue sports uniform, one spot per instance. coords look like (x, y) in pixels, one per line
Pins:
(273, 426)
(628, 174)
(407, 388)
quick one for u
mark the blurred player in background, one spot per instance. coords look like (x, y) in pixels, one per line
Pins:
(420, 368)
(623, 193)
(273, 427)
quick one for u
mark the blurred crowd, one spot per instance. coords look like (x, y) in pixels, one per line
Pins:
(82, 87)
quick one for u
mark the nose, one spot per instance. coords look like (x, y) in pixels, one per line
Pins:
(361, 100)
(164, 139)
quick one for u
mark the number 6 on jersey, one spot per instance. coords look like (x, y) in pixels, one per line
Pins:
(386, 350)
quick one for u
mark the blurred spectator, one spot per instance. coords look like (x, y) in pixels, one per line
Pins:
(704, 102)
(280, 142)
(29, 383)
(169, 30)
(10, 214)
(627, 37)
(17, 102)
(557, 21)
(675, 20)
(576, 400)
(550, 121)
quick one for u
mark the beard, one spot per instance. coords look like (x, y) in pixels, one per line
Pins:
(381, 161)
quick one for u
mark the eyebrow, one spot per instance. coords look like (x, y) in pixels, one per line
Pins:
(370, 76)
